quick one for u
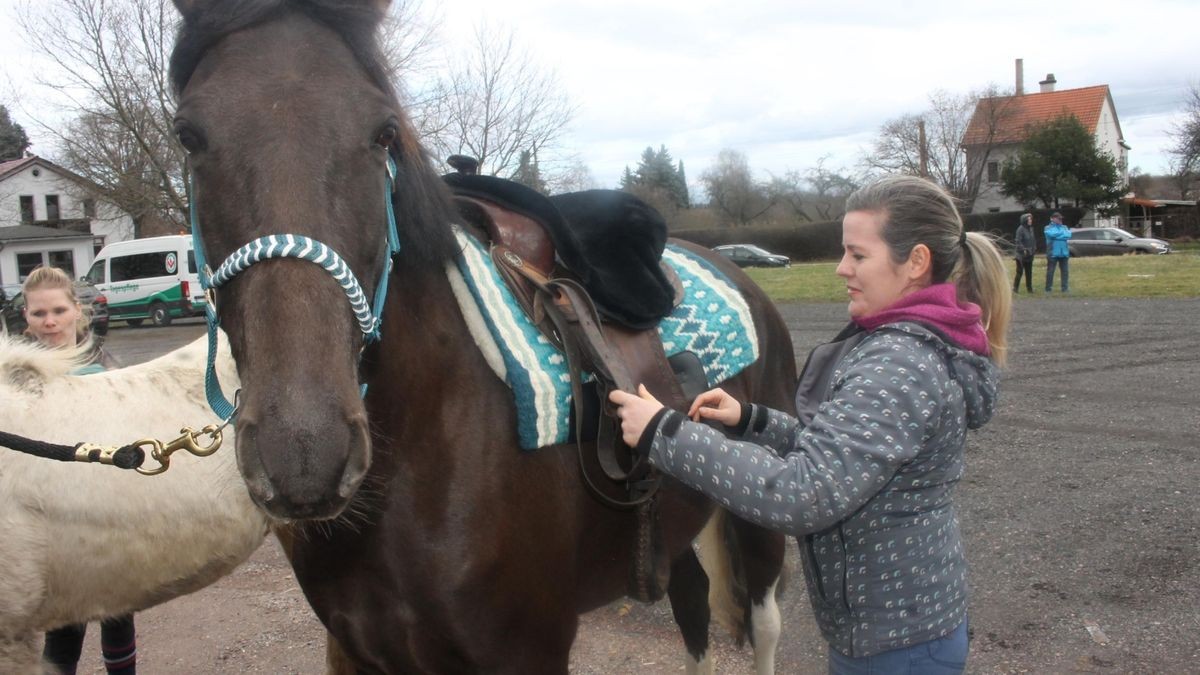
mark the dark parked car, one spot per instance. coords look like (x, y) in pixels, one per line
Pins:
(1112, 241)
(14, 315)
(749, 255)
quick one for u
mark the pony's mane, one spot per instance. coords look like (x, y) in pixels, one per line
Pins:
(19, 354)
(209, 22)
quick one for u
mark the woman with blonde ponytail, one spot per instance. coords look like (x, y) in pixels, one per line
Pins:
(864, 474)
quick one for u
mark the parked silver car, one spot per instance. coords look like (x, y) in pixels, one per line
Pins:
(1113, 241)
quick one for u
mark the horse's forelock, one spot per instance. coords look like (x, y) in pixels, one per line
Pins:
(205, 23)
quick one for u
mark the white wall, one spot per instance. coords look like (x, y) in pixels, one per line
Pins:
(110, 222)
(80, 247)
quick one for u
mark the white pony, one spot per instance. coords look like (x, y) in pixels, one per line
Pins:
(80, 542)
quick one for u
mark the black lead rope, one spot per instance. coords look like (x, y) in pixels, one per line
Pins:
(125, 457)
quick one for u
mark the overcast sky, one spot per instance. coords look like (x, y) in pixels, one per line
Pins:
(787, 82)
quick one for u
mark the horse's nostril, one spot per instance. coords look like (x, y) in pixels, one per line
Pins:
(250, 463)
(359, 459)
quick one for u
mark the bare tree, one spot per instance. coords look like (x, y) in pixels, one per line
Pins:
(111, 81)
(818, 194)
(899, 146)
(1185, 153)
(111, 75)
(737, 197)
(495, 104)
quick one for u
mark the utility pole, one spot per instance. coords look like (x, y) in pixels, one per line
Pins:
(924, 149)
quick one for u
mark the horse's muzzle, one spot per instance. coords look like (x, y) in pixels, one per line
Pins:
(308, 472)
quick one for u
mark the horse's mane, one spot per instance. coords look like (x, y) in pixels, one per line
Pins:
(18, 354)
(421, 200)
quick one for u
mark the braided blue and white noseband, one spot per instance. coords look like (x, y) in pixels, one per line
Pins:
(301, 248)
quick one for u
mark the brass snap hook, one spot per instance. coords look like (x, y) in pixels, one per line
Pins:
(161, 452)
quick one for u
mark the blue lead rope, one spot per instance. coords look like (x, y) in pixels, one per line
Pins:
(289, 246)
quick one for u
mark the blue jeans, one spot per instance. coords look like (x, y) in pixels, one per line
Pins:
(943, 656)
(1062, 265)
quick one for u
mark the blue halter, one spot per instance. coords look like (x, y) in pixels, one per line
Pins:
(289, 246)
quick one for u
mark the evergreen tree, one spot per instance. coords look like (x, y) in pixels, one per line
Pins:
(628, 180)
(656, 173)
(1060, 160)
(13, 140)
(528, 172)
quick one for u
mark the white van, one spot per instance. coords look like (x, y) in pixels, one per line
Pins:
(152, 278)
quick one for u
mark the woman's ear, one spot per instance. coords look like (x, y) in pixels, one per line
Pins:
(920, 263)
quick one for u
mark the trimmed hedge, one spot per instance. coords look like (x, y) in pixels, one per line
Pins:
(823, 241)
(1004, 225)
(811, 241)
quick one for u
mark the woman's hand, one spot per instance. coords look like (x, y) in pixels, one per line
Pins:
(717, 405)
(635, 412)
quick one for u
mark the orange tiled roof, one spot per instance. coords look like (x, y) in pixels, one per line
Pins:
(1018, 113)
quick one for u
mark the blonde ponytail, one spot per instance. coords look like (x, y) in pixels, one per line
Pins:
(981, 278)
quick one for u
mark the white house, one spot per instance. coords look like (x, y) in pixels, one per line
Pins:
(52, 216)
(1000, 124)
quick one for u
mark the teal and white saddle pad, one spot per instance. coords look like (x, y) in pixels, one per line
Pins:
(713, 321)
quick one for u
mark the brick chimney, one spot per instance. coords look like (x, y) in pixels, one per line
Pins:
(1048, 83)
(1020, 77)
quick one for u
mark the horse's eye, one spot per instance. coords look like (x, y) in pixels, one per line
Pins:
(387, 136)
(189, 138)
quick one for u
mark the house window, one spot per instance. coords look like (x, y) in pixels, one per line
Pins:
(26, 209)
(51, 207)
(26, 264)
(97, 244)
(89, 208)
(63, 260)
(993, 169)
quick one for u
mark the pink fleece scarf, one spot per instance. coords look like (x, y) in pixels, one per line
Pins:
(936, 306)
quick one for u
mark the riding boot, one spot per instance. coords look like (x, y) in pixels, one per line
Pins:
(63, 647)
(118, 643)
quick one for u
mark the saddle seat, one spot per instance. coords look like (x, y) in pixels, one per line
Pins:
(609, 241)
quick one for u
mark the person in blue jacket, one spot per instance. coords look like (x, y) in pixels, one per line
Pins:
(864, 475)
(1058, 253)
(56, 319)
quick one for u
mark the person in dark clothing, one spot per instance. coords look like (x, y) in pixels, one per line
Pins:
(56, 319)
(1023, 253)
(864, 475)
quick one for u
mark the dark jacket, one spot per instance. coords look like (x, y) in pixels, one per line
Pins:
(865, 484)
(1026, 246)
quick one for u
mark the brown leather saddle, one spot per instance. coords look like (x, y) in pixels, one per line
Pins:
(602, 313)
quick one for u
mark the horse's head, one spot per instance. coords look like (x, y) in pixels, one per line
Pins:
(288, 119)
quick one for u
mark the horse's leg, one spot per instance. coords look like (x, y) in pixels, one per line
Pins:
(688, 592)
(19, 654)
(762, 553)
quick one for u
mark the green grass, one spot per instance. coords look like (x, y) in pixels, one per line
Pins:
(1132, 276)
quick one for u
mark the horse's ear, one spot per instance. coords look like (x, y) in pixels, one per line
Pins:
(23, 378)
(189, 8)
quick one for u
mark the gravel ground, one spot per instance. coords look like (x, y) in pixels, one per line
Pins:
(1078, 509)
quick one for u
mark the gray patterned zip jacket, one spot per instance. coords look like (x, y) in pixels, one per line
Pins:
(865, 485)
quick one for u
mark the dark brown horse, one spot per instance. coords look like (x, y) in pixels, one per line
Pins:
(432, 543)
